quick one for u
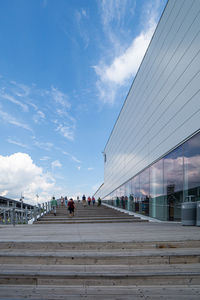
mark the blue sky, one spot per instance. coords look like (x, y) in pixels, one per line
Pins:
(65, 69)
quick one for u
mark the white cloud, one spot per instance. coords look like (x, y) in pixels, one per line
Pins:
(72, 157)
(15, 101)
(80, 17)
(84, 13)
(115, 10)
(66, 131)
(18, 174)
(39, 116)
(17, 143)
(45, 158)
(3, 193)
(111, 77)
(42, 145)
(11, 120)
(127, 64)
(90, 169)
(56, 164)
(20, 90)
(78, 167)
(60, 97)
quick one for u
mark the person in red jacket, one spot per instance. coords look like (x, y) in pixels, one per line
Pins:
(93, 200)
(89, 200)
(71, 207)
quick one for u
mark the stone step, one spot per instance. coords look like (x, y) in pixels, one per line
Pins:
(166, 292)
(42, 277)
(137, 257)
(107, 269)
(98, 246)
(87, 217)
(72, 221)
(87, 214)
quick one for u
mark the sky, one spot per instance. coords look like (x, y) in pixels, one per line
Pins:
(65, 70)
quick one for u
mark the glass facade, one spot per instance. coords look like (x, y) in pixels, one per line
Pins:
(159, 190)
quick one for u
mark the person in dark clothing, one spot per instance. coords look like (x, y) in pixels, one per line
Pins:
(99, 201)
(89, 200)
(71, 207)
(93, 200)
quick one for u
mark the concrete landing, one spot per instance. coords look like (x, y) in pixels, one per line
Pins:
(115, 232)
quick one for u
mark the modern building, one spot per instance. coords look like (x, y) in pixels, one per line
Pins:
(152, 157)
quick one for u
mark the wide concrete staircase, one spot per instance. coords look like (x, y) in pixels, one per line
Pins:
(88, 214)
(98, 270)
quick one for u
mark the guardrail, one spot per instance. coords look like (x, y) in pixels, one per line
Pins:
(14, 215)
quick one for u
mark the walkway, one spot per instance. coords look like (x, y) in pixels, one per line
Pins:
(84, 259)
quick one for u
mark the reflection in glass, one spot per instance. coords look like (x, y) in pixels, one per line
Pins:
(136, 183)
(173, 184)
(127, 194)
(144, 193)
(192, 169)
(159, 190)
(156, 190)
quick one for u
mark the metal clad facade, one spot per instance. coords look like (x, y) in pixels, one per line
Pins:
(162, 108)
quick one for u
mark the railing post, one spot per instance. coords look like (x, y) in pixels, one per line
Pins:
(12, 216)
(16, 217)
(39, 206)
(22, 217)
(26, 215)
(9, 217)
(5, 217)
(35, 213)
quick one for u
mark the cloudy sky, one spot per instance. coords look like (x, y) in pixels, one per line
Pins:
(65, 69)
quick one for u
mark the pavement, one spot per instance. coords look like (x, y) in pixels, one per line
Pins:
(118, 232)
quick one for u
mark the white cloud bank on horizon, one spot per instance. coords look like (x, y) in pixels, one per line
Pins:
(124, 66)
(18, 174)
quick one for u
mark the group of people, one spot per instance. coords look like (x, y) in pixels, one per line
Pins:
(70, 204)
(90, 200)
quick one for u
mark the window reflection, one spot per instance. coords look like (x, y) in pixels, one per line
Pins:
(156, 190)
(192, 169)
(159, 190)
(173, 184)
(136, 182)
(144, 193)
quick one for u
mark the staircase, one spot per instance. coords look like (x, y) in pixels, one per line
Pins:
(101, 269)
(89, 214)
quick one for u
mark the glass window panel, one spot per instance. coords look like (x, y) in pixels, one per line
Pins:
(192, 169)
(127, 193)
(117, 197)
(144, 193)
(131, 196)
(173, 184)
(156, 190)
(136, 182)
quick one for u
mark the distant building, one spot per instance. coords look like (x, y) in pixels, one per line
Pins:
(152, 157)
